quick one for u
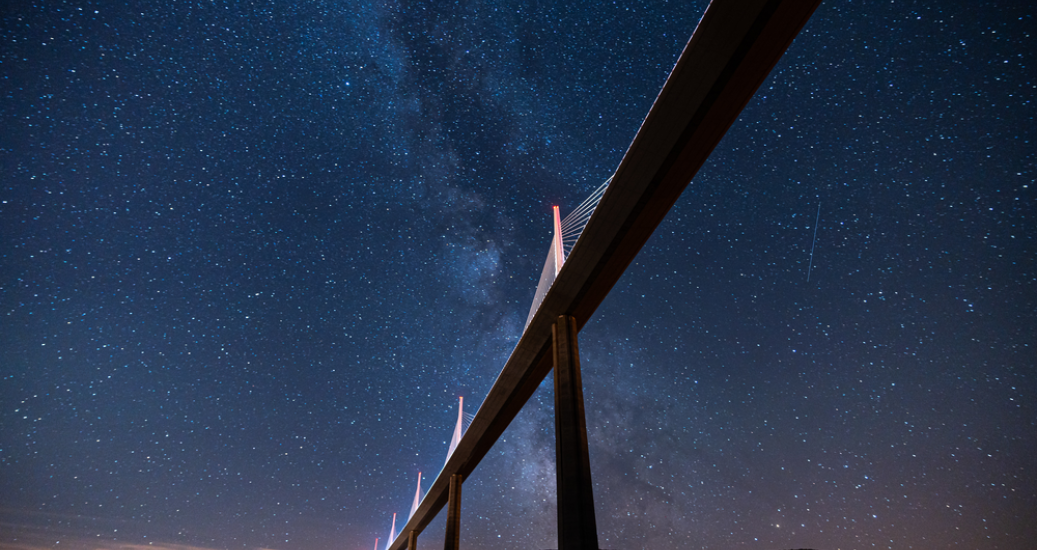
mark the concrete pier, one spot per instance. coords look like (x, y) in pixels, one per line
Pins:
(577, 529)
(453, 515)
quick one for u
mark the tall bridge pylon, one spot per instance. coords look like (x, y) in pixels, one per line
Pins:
(417, 498)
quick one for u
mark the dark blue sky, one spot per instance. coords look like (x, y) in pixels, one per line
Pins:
(253, 253)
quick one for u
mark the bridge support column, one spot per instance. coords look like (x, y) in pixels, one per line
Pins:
(412, 540)
(453, 515)
(577, 529)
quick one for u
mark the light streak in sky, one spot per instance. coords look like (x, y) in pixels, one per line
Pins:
(816, 219)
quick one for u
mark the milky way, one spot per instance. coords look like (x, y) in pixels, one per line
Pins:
(253, 253)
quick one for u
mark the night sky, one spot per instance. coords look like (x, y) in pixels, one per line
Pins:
(252, 254)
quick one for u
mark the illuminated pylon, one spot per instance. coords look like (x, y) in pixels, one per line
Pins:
(392, 533)
(456, 439)
(566, 233)
(556, 245)
(417, 498)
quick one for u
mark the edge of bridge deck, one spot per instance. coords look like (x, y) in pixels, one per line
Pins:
(733, 49)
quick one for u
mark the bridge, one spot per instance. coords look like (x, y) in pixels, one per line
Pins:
(730, 53)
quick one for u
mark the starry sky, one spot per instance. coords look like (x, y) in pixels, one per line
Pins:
(252, 254)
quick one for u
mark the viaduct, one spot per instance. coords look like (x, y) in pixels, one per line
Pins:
(730, 53)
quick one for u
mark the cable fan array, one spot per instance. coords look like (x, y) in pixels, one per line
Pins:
(574, 224)
(566, 233)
